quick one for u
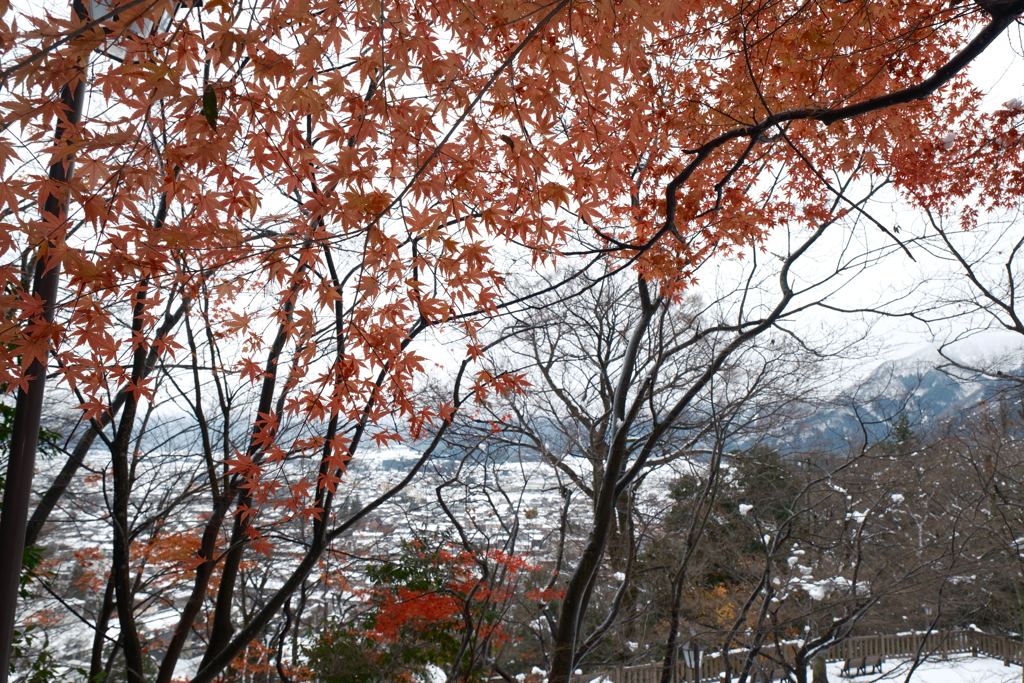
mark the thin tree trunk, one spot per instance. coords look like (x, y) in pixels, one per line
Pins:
(121, 560)
(29, 406)
(48, 501)
(223, 628)
(698, 521)
(100, 635)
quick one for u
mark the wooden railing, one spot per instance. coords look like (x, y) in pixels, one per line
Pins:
(936, 643)
(713, 665)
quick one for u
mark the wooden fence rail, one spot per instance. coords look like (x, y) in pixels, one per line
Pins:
(713, 666)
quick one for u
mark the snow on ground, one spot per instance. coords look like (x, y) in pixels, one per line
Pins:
(958, 669)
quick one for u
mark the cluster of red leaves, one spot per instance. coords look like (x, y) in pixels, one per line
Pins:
(544, 595)
(172, 554)
(43, 618)
(89, 580)
(401, 608)
(259, 661)
(398, 608)
(345, 107)
(317, 182)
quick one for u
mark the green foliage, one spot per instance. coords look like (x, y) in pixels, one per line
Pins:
(33, 661)
(49, 440)
(418, 568)
(31, 658)
(31, 558)
(413, 621)
(902, 433)
(760, 477)
(763, 478)
(340, 654)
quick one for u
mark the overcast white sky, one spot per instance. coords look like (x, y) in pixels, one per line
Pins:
(999, 73)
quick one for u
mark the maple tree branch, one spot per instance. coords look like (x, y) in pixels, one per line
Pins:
(197, 407)
(438, 493)
(222, 628)
(921, 91)
(41, 580)
(215, 664)
(840, 195)
(469, 108)
(48, 501)
(942, 75)
(92, 23)
(105, 610)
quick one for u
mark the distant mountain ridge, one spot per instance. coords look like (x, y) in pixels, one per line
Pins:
(924, 387)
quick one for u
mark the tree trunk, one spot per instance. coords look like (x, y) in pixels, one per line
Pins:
(818, 670)
(48, 501)
(100, 634)
(121, 559)
(29, 406)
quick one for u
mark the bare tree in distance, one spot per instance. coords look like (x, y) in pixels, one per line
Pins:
(628, 380)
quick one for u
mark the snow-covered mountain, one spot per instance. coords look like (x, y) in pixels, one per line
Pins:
(924, 387)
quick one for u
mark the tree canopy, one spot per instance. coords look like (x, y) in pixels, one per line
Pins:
(275, 202)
